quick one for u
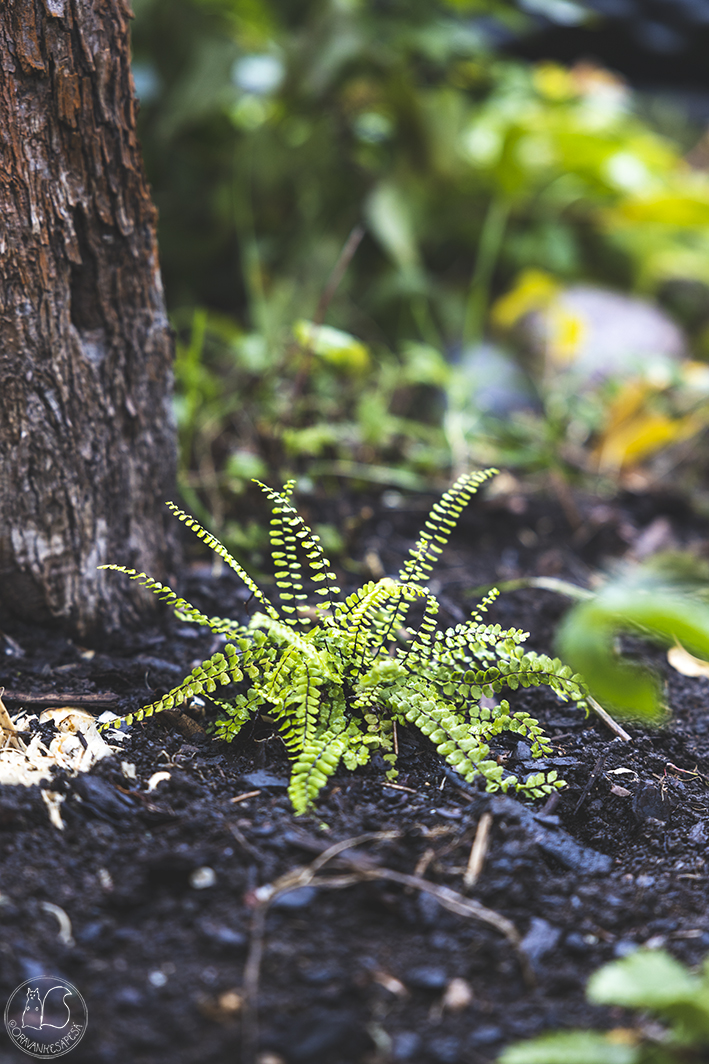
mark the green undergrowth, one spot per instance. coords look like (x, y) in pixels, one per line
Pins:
(338, 675)
(673, 1027)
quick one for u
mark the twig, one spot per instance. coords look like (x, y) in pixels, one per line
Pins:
(423, 862)
(688, 772)
(399, 787)
(478, 851)
(307, 876)
(242, 840)
(597, 769)
(545, 583)
(333, 282)
(338, 272)
(608, 720)
(56, 699)
(243, 797)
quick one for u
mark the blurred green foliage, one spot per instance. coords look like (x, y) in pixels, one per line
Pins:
(271, 131)
(673, 1027)
(665, 601)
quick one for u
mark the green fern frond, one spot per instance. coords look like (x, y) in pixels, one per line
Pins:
(183, 609)
(219, 670)
(317, 761)
(441, 521)
(336, 689)
(224, 554)
(288, 532)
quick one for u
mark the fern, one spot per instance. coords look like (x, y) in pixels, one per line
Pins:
(336, 687)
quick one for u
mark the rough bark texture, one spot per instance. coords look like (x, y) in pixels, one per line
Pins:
(87, 439)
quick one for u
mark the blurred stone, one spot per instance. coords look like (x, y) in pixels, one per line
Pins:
(595, 334)
(445, 1049)
(492, 382)
(541, 939)
(427, 977)
(298, 898)
(405, 1045)
(485, 1035)
(649, 804)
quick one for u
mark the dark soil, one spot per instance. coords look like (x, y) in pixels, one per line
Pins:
(361, 972)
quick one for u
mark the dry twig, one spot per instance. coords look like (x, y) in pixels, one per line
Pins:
(608, 720)
(478, 851)
(362, 872)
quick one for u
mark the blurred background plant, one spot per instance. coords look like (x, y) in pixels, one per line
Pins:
(672, 1027)
(487, 238)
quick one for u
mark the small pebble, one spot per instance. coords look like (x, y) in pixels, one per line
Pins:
(445, 1049)
(427, 977)
(130, 997)
(222, 935)
(203, 877)
(429, 909)
(486, 1035)
(458, 995)
(576, 943)
(541, 939)
(624, 948)
(405, 1045)
(648, 804)
(261, 778)
(698, 832)
(295, 899)
(230, 1001)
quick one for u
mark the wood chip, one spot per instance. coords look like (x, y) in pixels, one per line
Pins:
(685, 663)
(157, 777)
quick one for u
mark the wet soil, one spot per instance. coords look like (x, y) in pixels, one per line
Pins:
(162, 886)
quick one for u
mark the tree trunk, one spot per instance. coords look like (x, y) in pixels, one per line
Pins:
(87, 436)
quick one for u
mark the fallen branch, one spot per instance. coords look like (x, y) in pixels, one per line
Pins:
(54, 698)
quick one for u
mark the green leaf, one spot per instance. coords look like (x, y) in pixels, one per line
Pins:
(572, 1047)
(338, 348)
(636, 603)
(646, 979)
(390, 219)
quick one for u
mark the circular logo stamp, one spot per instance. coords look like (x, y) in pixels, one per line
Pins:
(46, 1017)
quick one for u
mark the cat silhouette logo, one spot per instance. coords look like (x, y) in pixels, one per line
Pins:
(46, 1017)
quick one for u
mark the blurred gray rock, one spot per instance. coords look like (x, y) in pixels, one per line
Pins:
(493, 382)
(620, 336)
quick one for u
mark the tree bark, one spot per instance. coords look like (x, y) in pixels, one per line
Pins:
(87, 436)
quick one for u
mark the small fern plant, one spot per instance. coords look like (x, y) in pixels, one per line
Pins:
(339, 675)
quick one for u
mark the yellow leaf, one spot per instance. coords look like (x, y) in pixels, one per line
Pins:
(640, 437)
(666, 209)
(567, 332)
(533, 290)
